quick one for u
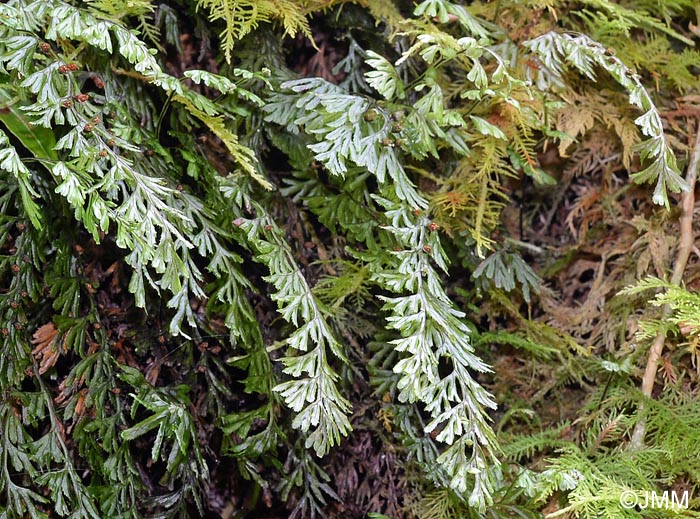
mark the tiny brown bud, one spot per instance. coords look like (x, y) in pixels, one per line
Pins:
(96, 120)
(44, 47)
(399, 142)
(427, 249)
(268, 228)
(201, 368)
(103, 153)
(387, 142)
(98, 82)
(451, 18)
(396, 128)
(370, 115)
(24, 294)
(14, 305)
(416, 212)
(238, 222)
(161, 339)
(97, 326)
(5, 332)
(73, 67)
(62, 69)
(21, 227)
(88, 127)
(81, 98)
(111, 142)
(148, 152)
(433, 226)
(16, 268)
(18, 326)
(309, 245)
(26, 258)
(179, 188)
(67, 103)
(116, 390)
(397, 249)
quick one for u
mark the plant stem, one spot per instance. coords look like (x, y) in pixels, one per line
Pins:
(685, 247)
(531, 247)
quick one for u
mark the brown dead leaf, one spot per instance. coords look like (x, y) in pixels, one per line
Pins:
(669, 372)
(661, 245)
(46, 350)
(608, 429)
(79, 410)
(585, 211)
(123, 353)
(153, 371)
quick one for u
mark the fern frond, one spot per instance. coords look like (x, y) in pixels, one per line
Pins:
(243, 16)
(472, 196)
(10, 161)
(243, 155)
(626, 19)
(432, 332)
(313, 392)
(527, 445)
(583, 53)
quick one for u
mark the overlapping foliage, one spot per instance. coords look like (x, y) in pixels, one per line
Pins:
(219, 271)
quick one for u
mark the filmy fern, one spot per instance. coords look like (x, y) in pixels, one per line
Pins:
(583, 53)
(160, 227)
(313, 393)
(433, 333)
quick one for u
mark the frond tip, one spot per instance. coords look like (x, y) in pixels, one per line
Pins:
(557, 50)
(243, 16)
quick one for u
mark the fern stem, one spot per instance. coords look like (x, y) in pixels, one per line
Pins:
(685, 247)
(482, 207)
(525, 245)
